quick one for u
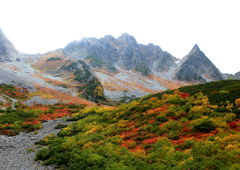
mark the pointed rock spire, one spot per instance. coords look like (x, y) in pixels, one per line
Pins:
(194, 49)
(196, 66)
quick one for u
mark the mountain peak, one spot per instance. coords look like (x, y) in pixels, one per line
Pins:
(196, 66)
(195, 49)
(125, 37)
(109, 37)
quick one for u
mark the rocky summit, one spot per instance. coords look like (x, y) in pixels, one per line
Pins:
(197, 67)
(123, 52)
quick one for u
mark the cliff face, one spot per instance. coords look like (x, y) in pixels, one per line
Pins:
(7, 49)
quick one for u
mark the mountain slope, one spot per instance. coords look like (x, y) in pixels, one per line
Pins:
(7, 50)
(218, 92)
(176, 131)
(197, 67)
(75, 74)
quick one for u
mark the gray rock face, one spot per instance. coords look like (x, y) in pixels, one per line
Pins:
(237, 76)
(197, 67)
(7, 50)
(124, 52)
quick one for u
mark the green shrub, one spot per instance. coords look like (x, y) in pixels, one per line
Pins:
(54, 59)
(143, 69)
(204, 125)
(173, 135)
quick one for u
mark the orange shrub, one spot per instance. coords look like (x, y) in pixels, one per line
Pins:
(237, 102)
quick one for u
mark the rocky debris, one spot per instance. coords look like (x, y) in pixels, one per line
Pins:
(197, 67)
(18, 152)
(9, 77)
(7, 50)
(38, 100)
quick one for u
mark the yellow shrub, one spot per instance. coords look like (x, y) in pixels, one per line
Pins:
(237, 102)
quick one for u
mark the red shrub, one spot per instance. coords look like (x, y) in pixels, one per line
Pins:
(157, 110)
(150, 141)
(151, 121)
(233, 124)
(184, 95)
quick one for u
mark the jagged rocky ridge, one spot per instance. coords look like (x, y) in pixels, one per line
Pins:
(124, 52)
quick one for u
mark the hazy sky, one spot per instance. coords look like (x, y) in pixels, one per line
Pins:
(175, 25)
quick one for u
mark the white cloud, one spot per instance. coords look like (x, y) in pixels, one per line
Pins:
(43, 25)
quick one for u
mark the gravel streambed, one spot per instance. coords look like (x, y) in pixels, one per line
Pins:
(18, 152)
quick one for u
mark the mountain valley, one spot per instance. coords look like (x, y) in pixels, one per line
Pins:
(112, 103)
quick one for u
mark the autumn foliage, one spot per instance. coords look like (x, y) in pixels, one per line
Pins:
(30, 118)
(180, 128)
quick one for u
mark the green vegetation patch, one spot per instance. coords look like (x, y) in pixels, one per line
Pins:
(144, 70)
(54, 59)
(95, 61)
(90, 87)
(13, 91)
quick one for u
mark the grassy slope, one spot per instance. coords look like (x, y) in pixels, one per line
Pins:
(161, 131)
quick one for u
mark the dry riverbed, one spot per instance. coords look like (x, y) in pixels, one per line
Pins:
(18, 152)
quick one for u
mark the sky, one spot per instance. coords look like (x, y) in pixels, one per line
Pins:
(38, 26)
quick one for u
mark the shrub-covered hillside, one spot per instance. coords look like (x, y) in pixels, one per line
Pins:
(13, 91)
(176, 131)
(218, 92)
